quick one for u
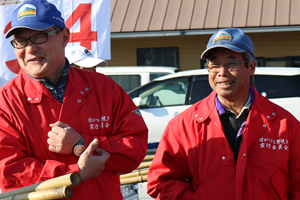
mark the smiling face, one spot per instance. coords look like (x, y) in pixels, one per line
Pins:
(231, 86)
(46, 59)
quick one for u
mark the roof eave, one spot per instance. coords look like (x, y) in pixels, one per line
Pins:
(201, 32)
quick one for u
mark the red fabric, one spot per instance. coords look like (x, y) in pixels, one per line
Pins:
(194, 159)
(94, 105)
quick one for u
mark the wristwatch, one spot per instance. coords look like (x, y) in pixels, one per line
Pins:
(79, 147)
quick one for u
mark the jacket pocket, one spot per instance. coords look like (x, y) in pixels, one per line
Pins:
(280, 184)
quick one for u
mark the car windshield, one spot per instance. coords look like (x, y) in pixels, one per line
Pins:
(165, 93)
(277, 86)
(157, 75)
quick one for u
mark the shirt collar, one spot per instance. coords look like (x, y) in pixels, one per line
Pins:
(221, 109)
(58, 89)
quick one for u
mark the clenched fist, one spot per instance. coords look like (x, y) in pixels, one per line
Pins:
(62, 138)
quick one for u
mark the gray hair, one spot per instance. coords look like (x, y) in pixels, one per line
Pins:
(249, 58)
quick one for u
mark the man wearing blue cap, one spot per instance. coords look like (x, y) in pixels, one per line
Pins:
(234, 144)
(56, 119)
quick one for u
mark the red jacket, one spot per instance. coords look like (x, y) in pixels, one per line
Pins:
(194, 159)
(95, 106)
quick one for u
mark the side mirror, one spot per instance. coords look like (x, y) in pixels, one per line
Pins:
(137, 101)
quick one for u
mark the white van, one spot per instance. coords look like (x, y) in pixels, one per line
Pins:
(130, 77)
(166, 97)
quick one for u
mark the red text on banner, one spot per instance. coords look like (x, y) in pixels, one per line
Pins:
(86, 36)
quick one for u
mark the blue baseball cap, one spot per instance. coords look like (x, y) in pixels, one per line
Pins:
(230, 38)
(37, 15)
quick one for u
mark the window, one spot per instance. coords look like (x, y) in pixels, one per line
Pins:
(158, 57)
(127, 82)
(156, 75)
(166, 93)
(277, 86)
(200, 89)
(278, 62)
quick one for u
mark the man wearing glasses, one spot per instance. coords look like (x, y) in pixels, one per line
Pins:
(234, 144)
(56, 119)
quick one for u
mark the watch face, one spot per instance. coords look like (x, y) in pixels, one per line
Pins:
(78, 150)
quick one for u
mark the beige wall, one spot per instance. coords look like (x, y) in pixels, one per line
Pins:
(268, 45)
(273, 45)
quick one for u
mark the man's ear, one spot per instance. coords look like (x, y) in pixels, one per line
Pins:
(65, 36)
(252, 67)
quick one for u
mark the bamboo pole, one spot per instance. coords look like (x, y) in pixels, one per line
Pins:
(131, 180)
(144, 165)
(133, 174)
(65, 180)
(140, 174)
(54, 193)
(149, 157)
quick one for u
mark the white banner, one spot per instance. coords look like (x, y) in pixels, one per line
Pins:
(88, 21)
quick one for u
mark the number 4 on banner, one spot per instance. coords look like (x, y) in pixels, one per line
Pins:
(85, 36)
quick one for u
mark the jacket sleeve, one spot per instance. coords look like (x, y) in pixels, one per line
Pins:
(18, 167)
(294, 159)
(127, 142)
(168, 174)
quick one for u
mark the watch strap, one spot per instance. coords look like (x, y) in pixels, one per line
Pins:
(79, 147)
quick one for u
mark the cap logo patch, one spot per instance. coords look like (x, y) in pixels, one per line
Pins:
(27, 10)
(87, 52)
(222, 36)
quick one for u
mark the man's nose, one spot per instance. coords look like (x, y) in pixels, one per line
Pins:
(30, 47)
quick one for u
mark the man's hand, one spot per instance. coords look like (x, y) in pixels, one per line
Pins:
(91, 166)
(62, 138)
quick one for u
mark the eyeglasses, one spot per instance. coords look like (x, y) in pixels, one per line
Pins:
(231, 66)
(35, 39)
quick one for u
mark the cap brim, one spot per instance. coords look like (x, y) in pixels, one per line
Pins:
(230, 47)
(41, 27)
(91, 62)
